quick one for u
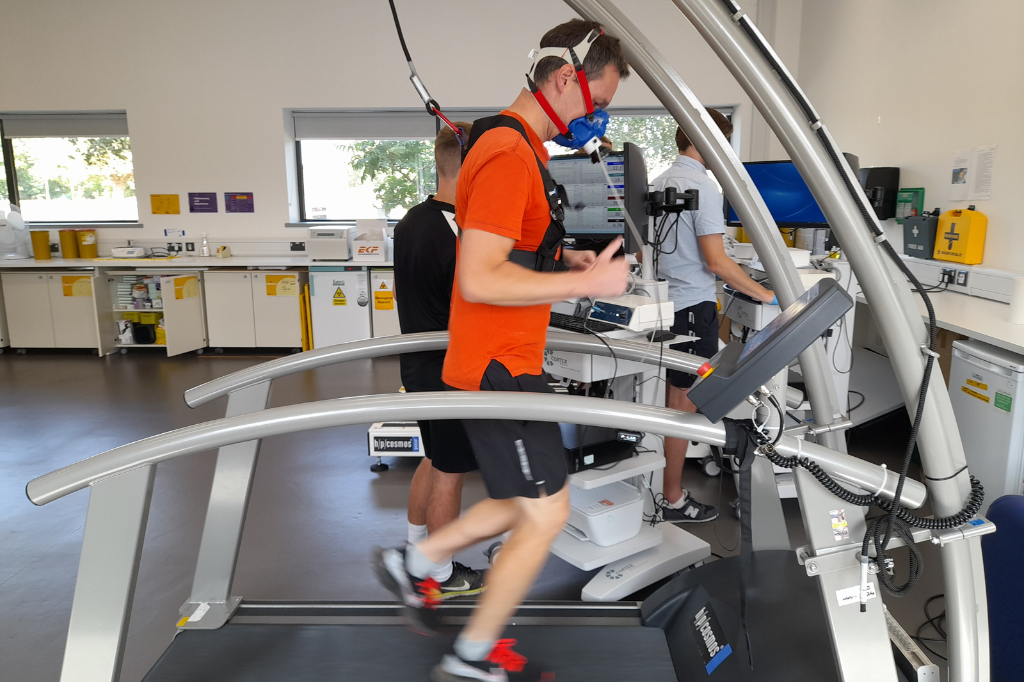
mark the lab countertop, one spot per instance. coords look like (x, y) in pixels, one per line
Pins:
(978, 318)
(188, 263)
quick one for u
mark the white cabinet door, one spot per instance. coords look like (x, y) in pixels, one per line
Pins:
(229, 309)
(340, 307)
(27, 300)
(275, 303)
(183, 313)
(384, 307)
(73, 310)
(106, 318)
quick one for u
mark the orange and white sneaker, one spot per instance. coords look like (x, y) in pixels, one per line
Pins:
(501, 665)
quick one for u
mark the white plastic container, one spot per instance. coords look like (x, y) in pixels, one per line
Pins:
(607, 515)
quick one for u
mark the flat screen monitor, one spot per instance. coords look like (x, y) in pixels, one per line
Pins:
(787, 196)
(593, 213)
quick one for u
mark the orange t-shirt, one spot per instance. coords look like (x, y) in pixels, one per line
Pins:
(500, 191)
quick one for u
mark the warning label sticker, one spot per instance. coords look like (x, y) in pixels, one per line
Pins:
(977, 384)
(974, 394)
(339, 297)
(383, 298)
(840, 528)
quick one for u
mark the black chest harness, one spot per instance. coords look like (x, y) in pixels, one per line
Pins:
(545, 257)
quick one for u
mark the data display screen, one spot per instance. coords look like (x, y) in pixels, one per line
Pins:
(592, 208)
(787, 196)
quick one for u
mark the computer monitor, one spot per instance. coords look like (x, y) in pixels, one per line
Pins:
(593, 214)
(784, 191)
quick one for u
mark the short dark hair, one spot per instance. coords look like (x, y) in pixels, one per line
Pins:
(604, 51)
(683, 142)
(448, 151)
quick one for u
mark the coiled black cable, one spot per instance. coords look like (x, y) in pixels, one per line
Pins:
(884, 561)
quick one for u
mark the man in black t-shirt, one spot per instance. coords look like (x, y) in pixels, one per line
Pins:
(424, 258)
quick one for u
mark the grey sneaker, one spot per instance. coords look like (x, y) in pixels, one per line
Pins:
(690, 511)
(419, 597)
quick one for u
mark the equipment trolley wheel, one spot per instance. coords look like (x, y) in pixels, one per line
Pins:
(710, 467)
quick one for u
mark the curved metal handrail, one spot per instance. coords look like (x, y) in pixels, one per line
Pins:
(643, 352)
(445, 405)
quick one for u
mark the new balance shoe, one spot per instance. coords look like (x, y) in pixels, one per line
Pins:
(419, 597)
(464, 582)
(688, 510)
(501, 665)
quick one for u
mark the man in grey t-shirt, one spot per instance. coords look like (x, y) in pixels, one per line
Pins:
(691, 256)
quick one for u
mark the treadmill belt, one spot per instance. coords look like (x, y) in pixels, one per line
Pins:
(386, 653)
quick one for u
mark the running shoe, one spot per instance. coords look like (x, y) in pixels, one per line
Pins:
(501, 665)
(464, 582)
(688, 510)
(419, 597)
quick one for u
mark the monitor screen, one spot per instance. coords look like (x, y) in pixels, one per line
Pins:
(592, 209)
(785, 193)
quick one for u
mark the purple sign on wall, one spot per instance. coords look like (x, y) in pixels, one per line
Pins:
(239, 202)
(202, 202)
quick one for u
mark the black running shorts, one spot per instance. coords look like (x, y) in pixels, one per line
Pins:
(446, 445)
(517, 458)
(697, 320)
(445, 442)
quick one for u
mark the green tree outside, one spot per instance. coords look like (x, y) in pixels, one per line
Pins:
(655, 135)
(402, 171)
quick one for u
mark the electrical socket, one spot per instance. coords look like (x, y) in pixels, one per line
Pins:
(190, 246)
(177, 247)
(947, 275)
(961, 278)
(298, 246)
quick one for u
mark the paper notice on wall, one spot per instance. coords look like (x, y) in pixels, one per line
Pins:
(958, 189)
(972, 174)
(981, 173)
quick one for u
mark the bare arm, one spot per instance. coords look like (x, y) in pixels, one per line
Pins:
(486, 275)
(713, 250)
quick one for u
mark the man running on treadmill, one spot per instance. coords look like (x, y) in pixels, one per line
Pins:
(424, 272)
(500, 311)
(690, 263)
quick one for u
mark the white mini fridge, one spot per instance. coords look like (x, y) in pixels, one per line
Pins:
(340, 304)
(986, 387)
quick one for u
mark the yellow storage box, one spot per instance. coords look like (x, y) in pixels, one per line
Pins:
(150, 318)
(131, 316)
(960, 237)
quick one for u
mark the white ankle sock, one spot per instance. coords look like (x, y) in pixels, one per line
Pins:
(417, 533)
(443, 571)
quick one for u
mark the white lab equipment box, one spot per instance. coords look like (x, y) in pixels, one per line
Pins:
(395, 439)
(986, 387)
(340, 305)
(385, 307)
(607, 515)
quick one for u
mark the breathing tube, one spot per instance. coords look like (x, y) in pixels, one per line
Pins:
(433, 108)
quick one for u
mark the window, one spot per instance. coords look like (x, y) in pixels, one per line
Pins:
(70, 168)
(654, 131)
(350, 179)
(5, 205)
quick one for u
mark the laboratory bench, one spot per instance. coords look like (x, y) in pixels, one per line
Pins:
(193, 302)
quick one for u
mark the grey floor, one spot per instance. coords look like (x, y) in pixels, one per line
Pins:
(316, 509)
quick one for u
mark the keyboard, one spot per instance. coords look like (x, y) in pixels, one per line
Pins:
(580, 325)
(729, 291)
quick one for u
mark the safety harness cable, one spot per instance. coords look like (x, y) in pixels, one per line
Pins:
(433, 108)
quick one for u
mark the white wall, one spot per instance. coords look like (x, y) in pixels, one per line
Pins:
(907, 83)
(205, 82)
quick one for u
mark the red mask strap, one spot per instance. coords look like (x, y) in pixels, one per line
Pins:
(546, 106)
(581, 76)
